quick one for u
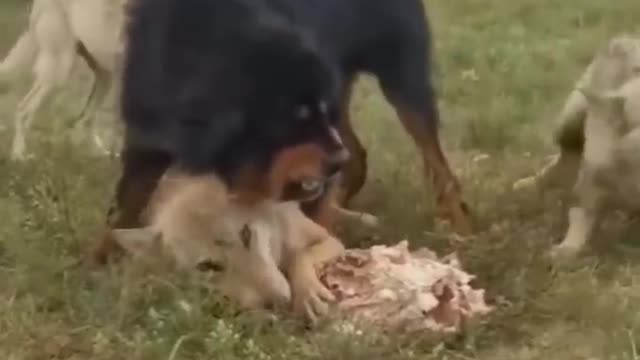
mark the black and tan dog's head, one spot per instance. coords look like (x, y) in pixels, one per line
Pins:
(225, 86)
(296, 173)
(291, 114)
(295, 106)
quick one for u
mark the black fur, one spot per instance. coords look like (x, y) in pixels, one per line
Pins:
(213, 85)
(216, 84)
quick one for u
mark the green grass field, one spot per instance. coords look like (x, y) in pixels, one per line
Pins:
(503, 70)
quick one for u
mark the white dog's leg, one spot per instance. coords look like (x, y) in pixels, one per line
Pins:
(582, 223)
(48, 69)
(584, 218)
(78, 119)
(568, 135)
(598, 164)
(560, 171)
(96, 102)
(19, 60)
(21, 119)
(56, 55)
(107, 92)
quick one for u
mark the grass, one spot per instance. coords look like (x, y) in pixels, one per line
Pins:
(503, 69)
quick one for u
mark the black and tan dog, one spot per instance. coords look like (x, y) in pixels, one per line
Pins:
(221, 86)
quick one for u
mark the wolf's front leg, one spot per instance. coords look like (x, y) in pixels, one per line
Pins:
(309, 295)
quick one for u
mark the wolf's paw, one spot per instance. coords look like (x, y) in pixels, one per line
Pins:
(310, 296)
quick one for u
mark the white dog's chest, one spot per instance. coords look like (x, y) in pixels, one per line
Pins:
(614, 160)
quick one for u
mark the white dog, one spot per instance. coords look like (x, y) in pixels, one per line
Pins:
(610, 169)
(617, 62)
(258, 254)
(59, 31)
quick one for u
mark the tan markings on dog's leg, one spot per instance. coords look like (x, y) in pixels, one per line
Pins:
(354, 174)
(448, 193)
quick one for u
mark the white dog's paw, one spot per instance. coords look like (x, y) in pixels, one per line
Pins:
(18, 149)
(525, 183)
(564, 252)
(18, 155)
(310, 298)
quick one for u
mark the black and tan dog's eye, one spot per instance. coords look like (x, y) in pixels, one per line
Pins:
(324, 108)
(303, 112)
(210, 266)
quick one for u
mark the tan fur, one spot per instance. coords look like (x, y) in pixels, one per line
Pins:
(269, 250)
(616, 63)
(265, 252)
(610, 169)
(49, 47)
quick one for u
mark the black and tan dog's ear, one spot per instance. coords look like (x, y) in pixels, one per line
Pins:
(142, 242)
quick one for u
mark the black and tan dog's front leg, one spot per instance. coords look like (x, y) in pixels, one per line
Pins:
(309, 296)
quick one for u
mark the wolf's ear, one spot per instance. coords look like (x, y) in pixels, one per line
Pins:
(142, 242)
(620, 46)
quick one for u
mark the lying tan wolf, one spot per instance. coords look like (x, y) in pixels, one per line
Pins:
(59, 32)
(260, 253)
(614, 64)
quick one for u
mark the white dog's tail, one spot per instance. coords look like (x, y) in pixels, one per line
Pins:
(19, 60)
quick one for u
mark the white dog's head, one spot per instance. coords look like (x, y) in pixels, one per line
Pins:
(617, 62)
(195, 225)
(236, 257)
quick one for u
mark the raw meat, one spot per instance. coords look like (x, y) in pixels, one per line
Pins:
(403, 291)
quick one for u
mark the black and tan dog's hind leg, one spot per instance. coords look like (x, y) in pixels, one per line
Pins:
(314, 246)
(363, 218)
